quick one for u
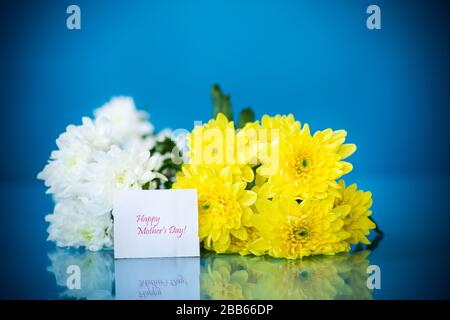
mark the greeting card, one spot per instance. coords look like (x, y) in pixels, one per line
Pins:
(156, 223)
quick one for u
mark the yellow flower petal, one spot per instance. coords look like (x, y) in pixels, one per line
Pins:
(240, 233)
(248, 198)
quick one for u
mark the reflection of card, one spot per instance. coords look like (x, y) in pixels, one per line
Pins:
(156, 223)
(158, 279)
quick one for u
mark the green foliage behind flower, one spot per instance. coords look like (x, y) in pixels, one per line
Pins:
(168, 168)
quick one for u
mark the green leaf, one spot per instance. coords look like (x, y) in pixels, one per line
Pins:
(216, 98)
(168, 168)
(221, 102)
(245, 116)
(163, 146)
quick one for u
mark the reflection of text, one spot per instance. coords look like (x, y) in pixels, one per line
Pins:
(154, 287)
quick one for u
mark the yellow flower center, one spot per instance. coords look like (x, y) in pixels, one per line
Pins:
(301, 233)
(72, 161)
(120, 178)
(87, 235)
(297, 235)
(218, 209)
(302, 165)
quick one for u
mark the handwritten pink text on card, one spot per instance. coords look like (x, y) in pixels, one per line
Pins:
(150, 225)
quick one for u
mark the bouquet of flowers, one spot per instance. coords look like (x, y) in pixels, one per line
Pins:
(267, 187)
(117, 150)
(272, 187)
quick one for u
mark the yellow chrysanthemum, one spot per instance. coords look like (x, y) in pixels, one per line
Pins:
(223, 204)
(357, 223)
(261, 141)
(308, 165)
(295, 207)
(292, 230)
(243, 246)
(286, 124)
(216, 144)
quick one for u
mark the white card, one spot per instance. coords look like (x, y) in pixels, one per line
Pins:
(158, 279)
(156, 223)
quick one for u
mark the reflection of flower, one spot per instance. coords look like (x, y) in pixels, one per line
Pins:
(342, 276)
(353, 270)
(96, 273)
(221, 281)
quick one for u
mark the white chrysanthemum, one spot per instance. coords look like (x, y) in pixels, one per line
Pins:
(145, 143)
(67, 165)
(96, 137)
(122, 121)
(93, 161)
(72, 224)
(116, 170)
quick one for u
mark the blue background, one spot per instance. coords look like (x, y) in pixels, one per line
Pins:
(316, 59)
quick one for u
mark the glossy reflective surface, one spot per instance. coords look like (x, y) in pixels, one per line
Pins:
(413, 258)
(212, 277)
